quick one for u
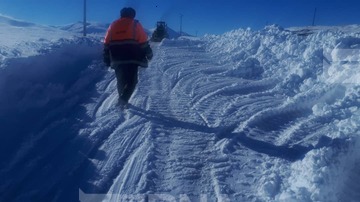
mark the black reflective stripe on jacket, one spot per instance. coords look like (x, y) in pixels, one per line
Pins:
(127, 52)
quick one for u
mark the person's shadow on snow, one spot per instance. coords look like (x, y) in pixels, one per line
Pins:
(158, 118)
(288, 152)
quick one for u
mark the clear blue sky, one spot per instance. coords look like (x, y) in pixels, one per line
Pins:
(199, 16)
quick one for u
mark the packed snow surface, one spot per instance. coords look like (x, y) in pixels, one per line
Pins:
(269, 115)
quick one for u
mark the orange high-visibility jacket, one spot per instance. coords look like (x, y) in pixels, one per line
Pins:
(125, 29)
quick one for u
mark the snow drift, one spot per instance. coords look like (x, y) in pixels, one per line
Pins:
(319, 73)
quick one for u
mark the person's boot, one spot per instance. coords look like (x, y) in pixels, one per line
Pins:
(123, 104)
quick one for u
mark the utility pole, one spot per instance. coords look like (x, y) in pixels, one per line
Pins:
(84, 18)
(181, 16)
(313, 22)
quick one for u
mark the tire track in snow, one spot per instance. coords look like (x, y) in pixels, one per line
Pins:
(258, 108)
(117, 141)
(181, 164)
(182, 140)
(135, 170)
(187, 158)
(119, 148)
(175, 159)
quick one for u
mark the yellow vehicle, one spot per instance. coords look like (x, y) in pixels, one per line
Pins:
(160, 32)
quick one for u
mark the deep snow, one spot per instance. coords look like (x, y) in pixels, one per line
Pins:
(269, 115)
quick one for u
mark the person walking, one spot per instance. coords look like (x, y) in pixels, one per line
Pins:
(126, 47)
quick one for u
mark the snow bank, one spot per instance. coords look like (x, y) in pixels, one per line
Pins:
(318, 71)
(330, 173)
(40, 97)
(44, 83)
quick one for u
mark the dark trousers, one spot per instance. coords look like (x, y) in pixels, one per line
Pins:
(127, 78)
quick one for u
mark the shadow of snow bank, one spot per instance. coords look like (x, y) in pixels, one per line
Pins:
(40, 115)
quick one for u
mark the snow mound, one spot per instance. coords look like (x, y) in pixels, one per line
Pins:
(319, 76)
(7, 20)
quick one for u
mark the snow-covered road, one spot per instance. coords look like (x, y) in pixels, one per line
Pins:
(193, 131)
(177, 137)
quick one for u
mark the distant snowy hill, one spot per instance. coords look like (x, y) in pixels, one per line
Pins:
(32, 39)
(7, 20)
(91, 27)
(313, 29)
(100, 28)
(175, 34)
(21, 39)
(269, 115)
